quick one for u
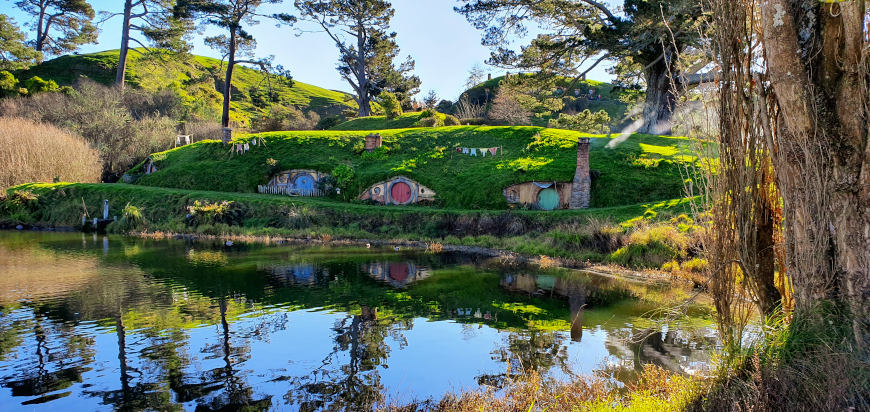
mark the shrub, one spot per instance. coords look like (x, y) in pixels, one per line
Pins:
(585, 121)
(652, 246)
(450, 120)
(36, 85)
(98, 114)
(433, 121)
(226, 212)
(34, 152)
(203, 130)
(428, 113)
(329, 122)
(390, 103)
(282, 118)
(8, 84)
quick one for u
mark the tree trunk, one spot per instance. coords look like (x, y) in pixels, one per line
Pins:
(823, 156)
(125, 44)
(228, 80)
(660, 99)
(40, 39)
(362, 78)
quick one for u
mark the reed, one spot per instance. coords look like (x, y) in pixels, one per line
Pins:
(36, 152)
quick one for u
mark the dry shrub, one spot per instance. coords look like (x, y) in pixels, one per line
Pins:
(653, 245)
(199, 130)
(434, 247)
(595, 235)
(123, 135)
(30, 152)
(546, 262)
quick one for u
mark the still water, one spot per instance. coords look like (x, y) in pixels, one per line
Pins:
(98, 323)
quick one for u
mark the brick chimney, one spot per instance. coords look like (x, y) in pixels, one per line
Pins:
(582, 184)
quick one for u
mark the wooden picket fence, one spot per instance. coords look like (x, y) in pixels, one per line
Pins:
(286, 191)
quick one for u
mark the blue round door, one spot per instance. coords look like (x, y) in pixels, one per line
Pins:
(305, 184)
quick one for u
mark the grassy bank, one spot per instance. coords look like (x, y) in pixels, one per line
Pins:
(641, 168)
(597, 235)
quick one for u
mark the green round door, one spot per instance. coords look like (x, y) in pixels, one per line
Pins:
(548, 199)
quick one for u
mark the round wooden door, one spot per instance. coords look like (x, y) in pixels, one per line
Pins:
(548, 199)
(400, 192)
(305, 184)
(399, 272)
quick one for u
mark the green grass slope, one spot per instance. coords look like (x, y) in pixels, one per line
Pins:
(638, 169)
(404, 121)
(198, 78)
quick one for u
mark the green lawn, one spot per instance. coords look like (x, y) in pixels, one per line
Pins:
(639, 169)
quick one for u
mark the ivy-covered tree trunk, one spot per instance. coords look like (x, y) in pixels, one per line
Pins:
(660, 98)
(818, 66)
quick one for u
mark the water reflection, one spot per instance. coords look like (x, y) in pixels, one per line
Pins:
(117, 323)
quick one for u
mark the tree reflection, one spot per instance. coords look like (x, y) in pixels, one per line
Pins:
(356, 383)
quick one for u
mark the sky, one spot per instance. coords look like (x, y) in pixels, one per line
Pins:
(443, 44)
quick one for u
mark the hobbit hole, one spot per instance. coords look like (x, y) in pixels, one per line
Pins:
(295, 183)
(398, 191)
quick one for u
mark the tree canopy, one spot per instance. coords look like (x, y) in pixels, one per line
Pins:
(14, 52)
(646, 35)
(360, 30)
(61, 26)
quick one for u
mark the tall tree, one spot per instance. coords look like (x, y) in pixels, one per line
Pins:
(232, 16)
(153, 20)
(14, 53)
(360, 30)
(647, 34)
(61, 26)
(805, 63)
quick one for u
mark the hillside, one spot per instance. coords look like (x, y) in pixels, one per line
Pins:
(197, 79)
(640, 169)
(610, 96)
(404, 121)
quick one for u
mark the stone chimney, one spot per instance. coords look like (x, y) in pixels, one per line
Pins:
(582, 182)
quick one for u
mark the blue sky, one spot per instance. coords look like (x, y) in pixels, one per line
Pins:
(444, 45)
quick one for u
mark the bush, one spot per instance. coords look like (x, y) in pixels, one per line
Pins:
(585, 121)
(327, 123)
(8, 84)
(390, 103)
(227, 213)
(450, 120)
(282, 118)
(433, 121)
(99, 115)
(36, 85)
(203, 130)
(652, 246)
(34, 152)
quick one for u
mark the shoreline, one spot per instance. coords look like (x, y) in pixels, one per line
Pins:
(598, 269)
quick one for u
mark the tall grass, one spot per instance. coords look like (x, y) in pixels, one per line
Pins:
(35, 152)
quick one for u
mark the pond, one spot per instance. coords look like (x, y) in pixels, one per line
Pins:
(96, 323)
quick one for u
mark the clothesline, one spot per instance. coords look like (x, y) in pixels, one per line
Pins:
(479, 151)
(242, 148)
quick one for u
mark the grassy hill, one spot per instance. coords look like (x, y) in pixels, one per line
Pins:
(639, 169)
(197, 79)
(404, 121)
